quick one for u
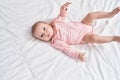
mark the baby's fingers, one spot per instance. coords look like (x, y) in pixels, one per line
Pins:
(83, 59)
(67, 4)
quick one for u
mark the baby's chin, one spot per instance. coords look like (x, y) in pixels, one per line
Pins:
(49, 39)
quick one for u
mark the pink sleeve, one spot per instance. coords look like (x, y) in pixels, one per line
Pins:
(66, 48)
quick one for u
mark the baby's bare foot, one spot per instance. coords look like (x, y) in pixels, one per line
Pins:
(114, 12)
(117, 38)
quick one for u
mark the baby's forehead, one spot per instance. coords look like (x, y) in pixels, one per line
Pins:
(40, 25)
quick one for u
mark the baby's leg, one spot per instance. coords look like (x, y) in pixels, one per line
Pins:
(93, 38)
(99, 15)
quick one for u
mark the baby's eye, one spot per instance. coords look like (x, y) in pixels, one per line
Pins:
(41, 35)
(44, 28)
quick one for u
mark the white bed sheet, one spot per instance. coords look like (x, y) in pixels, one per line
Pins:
(24, 58)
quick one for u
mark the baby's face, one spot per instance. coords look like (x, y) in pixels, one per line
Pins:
(44, 32)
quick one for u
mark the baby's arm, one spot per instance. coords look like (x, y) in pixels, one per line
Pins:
(63, 9)
(69, 50)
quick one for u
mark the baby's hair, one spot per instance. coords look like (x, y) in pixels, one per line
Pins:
(35, 26)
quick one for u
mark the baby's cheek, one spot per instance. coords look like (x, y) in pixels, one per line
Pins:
(48, 38)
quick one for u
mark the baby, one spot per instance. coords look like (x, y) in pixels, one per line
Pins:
(62, 34)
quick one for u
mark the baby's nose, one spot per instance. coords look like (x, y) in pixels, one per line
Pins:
(46, 33)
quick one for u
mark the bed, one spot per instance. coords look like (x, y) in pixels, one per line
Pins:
(23, 57)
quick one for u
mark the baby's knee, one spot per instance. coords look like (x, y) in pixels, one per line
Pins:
(90, 38)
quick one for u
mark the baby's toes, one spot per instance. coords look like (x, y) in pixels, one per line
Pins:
(117, 9)
(117, 38)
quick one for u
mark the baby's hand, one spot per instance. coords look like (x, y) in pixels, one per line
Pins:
(82, 57)
(64, 6)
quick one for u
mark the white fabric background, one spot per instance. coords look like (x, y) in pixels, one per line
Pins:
(24, 58)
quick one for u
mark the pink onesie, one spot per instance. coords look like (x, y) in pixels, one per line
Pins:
(68, 33)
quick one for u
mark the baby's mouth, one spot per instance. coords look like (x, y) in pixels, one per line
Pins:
(48, 34)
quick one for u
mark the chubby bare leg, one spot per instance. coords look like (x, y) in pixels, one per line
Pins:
(94, 38)
(99, 15)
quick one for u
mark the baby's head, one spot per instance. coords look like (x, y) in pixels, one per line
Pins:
(42, 30)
